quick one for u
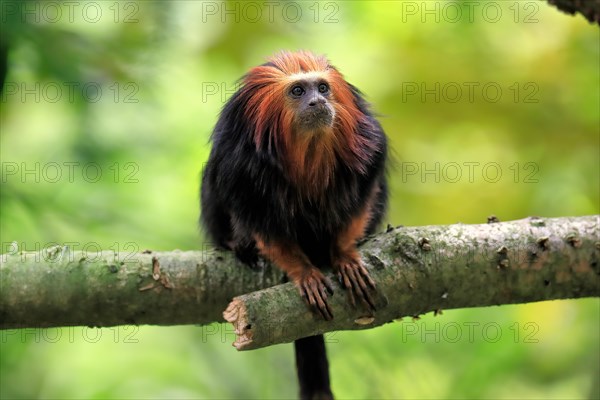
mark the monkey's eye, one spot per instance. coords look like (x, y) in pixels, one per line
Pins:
(323, 88)
(297, 91)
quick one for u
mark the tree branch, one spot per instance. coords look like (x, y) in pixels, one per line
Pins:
(417, 270)
(431, 268)
(58, 287)
(590, 9)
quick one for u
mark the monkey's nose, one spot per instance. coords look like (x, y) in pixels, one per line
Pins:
(316, 100)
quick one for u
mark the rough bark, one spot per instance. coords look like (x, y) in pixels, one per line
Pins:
(590, 9)
(434, 268)
(417, 269)
(56, 287)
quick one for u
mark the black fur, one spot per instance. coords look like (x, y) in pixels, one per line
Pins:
(245, 191)
(313, 368)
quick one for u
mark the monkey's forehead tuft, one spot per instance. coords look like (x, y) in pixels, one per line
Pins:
(308, 76)
(298, 62)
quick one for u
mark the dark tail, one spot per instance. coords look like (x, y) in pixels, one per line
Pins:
(313, 368)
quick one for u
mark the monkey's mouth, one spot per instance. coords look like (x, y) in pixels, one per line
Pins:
(316, 117)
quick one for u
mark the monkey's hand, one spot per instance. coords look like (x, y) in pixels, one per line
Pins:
(309, 280)
(355, 278)
(314, 286)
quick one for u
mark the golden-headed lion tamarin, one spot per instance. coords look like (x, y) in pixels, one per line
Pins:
(297, 175)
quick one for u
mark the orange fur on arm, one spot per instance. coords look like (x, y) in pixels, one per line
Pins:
(346, 259)
(345, 243)
(287, 256)
(309, 280)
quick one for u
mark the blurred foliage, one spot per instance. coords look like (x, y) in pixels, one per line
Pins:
(491, 108)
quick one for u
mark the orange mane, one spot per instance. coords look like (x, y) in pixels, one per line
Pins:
(309, 160)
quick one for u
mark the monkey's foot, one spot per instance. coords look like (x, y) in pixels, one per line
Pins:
(355, 278)
(313, 286)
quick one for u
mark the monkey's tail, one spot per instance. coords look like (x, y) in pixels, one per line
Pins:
(313, 368)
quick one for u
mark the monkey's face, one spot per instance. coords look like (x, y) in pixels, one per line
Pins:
(310, 98)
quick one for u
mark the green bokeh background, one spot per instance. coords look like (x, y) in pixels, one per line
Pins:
(166, 68)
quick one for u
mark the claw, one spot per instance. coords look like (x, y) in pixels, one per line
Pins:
(355, 278)
(345, 279)
(313, 286)
(365, 273)
(328, 285)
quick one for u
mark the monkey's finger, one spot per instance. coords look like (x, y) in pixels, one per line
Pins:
(359, 279)
(361, 275)
(323, 291)
(309, 296)
(328, 285)
(329, 311)
(343, 273)
(320, 307)
(325, 312)
(316, 302)
(361, 290)
(302, 292)
(365, 274)
(344, 278)
(324, 308)
(340, 277)
(368, 300)
(324, 297)
(351, 297)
